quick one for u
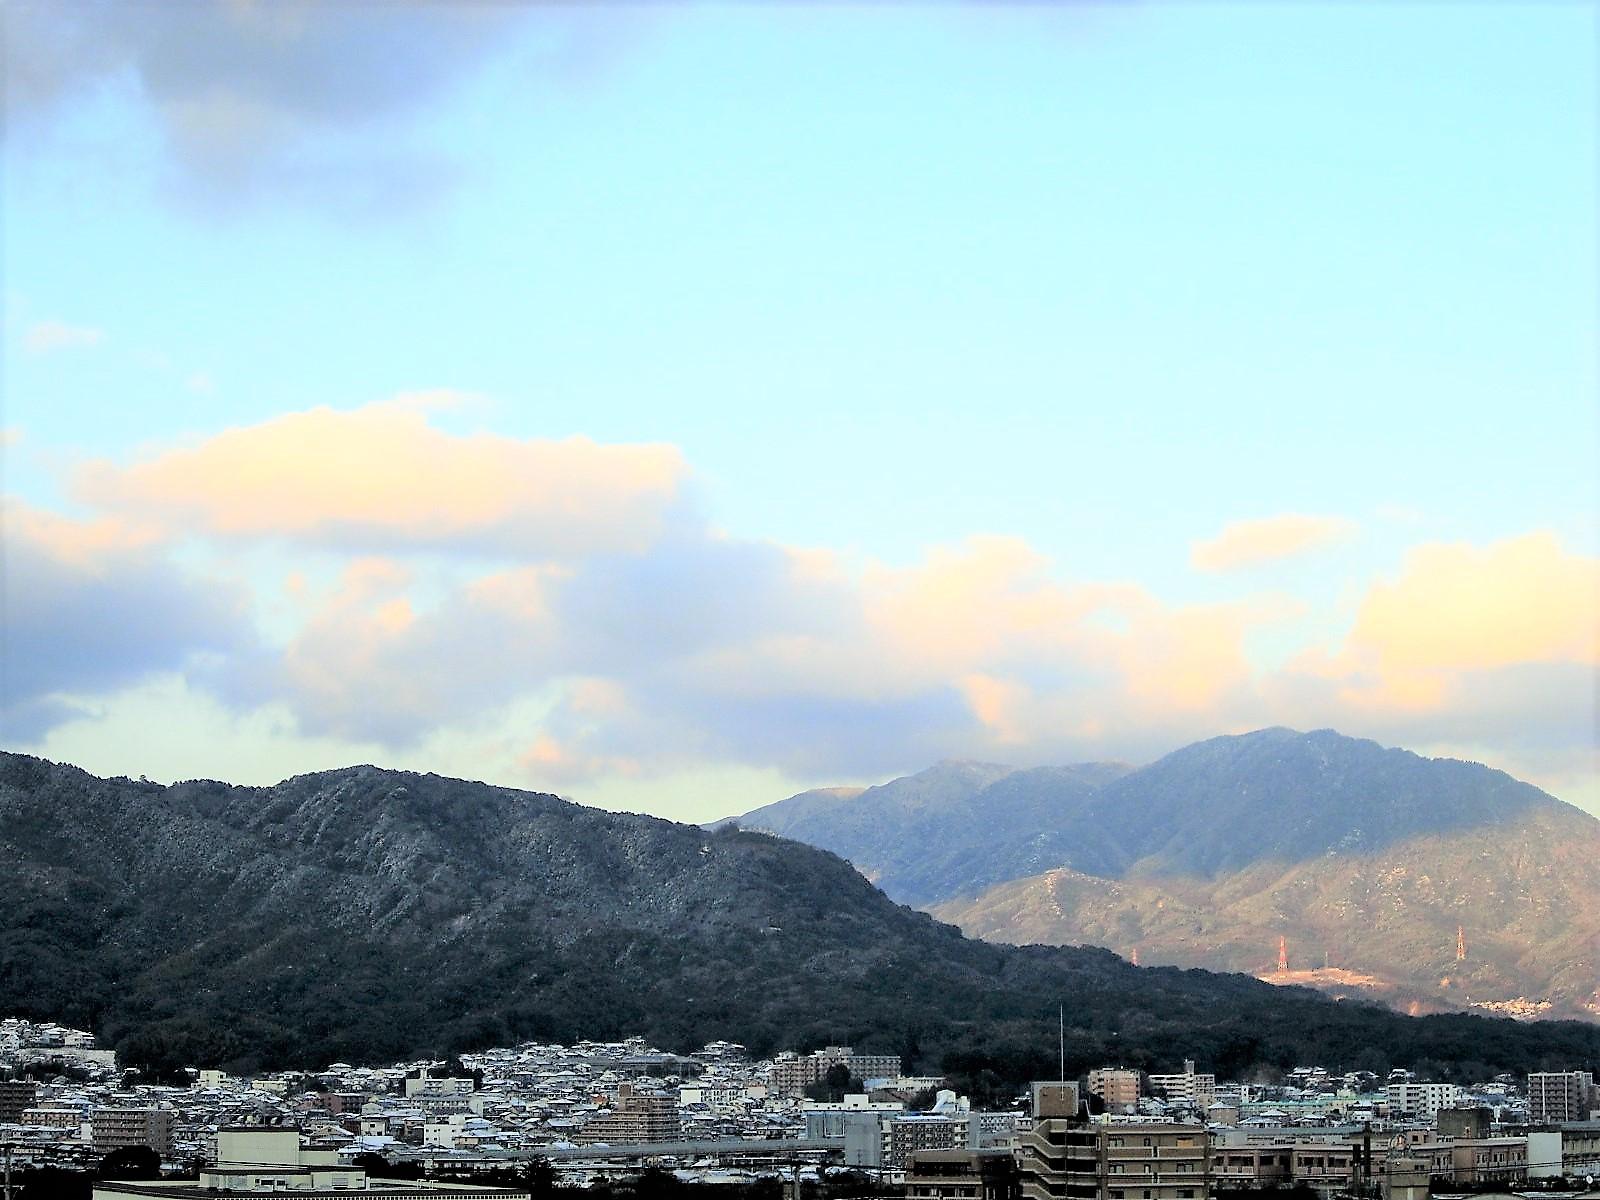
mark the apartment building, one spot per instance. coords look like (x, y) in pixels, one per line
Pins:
(962, 1175)
(635, 1117)
(793, 1073)
(16, 1095)
(118, 1128)
(1117, 1087)
(1421, 1101)
(1063, 1156)
(428, 1088)
(1560, 1096)
(1194, 1089)
(911, 1133)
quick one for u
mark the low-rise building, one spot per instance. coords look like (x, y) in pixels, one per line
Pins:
(962, 1175)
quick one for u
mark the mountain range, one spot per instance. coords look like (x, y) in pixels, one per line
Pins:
(1431, 884)
(367, 914)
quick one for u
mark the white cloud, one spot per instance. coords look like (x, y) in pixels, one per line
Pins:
(1246, 544)
(47, 337)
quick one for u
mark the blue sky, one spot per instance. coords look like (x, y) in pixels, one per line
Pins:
(1101, 282)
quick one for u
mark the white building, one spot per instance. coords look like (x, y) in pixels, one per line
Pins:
(1421, 1100)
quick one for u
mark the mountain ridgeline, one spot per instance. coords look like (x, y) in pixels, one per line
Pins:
(1369, 862)
(366, 914)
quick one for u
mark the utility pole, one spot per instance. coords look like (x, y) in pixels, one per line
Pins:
(8, 1171)
(1061, 1024)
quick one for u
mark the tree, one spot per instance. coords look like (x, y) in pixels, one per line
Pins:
(131, 1162)
(538, 1176)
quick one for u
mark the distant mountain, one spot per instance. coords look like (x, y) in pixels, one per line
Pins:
(367, 914)
(1367, 859)
(954, 829)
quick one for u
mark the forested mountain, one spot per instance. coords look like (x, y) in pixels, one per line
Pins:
(1368, 859)
(366, 913)
(952, 830)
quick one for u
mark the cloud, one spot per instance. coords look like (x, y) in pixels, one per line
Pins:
(577, 586)
(1251, 543)
(283, 96)
(382, 476)
(1523, 600)
(90, 607)
(46, 337)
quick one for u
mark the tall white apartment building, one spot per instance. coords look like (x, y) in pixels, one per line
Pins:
(1422, 1100)
(1196, 1089)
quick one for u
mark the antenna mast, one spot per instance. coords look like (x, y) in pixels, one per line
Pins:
(1061, 1025)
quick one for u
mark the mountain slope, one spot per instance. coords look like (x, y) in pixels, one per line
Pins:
(365, 913)
(1366, 858)
(1384, 924)
(954, 829)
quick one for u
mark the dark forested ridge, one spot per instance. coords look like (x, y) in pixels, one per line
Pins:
(366, 914)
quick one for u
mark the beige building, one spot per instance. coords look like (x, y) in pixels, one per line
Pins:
(119, 1128)
(635, 1117)
(1558, 1096)
(1118, 1087)
(1064, 1157)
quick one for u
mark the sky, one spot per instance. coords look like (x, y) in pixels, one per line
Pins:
(675, 407)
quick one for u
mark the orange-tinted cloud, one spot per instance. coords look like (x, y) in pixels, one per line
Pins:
(1523, 600)
(1269, 539)
(382, 477)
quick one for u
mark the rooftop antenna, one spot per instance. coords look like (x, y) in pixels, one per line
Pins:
(1061, 1026)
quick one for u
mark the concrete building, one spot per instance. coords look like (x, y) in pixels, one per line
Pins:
(1421, 1101)
(15, 1096)
(1196, 1090)
(1558, 1096)
(1475, 1161)
(962, 1175)
(118, 1128)
(1063, 1156)
(912, 1133)
(828, 1120)
(254, 1161)
(429, 1088)
(635, 1117)
(793, 1073)
(1333, 1159)
(1117, 1087)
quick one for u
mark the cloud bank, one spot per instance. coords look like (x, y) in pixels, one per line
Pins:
(481, 574)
